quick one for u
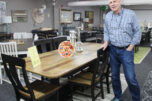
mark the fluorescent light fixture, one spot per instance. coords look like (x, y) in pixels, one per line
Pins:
(106, 2)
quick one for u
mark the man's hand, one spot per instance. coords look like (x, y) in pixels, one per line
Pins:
(130, 48)
(104, 46)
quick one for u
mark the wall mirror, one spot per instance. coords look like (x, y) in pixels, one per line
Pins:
(19, 15)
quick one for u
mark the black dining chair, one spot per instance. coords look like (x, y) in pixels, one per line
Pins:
(35, 91)
(57, 41)
(44, 45)
(92, 79)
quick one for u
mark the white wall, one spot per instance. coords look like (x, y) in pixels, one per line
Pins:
(143, 13)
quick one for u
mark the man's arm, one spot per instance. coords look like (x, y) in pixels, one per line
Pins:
(137, 33)
(106, 35)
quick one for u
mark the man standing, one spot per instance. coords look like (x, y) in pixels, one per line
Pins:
(122, 33)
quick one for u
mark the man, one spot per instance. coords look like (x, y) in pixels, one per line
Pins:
(122, 33)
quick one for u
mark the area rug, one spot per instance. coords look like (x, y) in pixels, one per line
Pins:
(108, 96)
(141, 54)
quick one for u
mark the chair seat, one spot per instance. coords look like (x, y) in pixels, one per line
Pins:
(84, 78)
(40, 89)
(80, 81)
(85, 75)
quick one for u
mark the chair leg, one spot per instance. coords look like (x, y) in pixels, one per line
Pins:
(30, 75)
(17, 97)
(57, 96)
(18, 73)
(107, 82)
(92, 94)
(101, 88)
(1, 81)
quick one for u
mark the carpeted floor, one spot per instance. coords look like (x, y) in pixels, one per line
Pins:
(141, 54)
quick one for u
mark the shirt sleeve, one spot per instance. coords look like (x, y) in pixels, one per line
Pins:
(136, 31)
(106, 32)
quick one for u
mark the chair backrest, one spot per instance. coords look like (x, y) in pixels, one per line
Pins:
(57, 41)
(9, 48)
(101, 64)
(44, 45)
(10, 64)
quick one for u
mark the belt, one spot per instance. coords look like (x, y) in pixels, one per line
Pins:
(121, 47)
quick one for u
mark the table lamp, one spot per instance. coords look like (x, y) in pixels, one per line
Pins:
(7, 20)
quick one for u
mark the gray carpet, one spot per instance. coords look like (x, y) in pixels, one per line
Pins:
(7, 92)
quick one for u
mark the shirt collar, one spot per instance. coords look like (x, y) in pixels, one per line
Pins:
(120, 13)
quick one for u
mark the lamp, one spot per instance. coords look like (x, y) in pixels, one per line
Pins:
(7, 20)
(86, 22)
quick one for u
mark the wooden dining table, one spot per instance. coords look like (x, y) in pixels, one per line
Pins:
(54, 66)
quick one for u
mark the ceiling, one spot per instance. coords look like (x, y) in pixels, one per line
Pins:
(105, 2)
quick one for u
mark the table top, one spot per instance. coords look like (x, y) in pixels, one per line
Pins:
(54, 66)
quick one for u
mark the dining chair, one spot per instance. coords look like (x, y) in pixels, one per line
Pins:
(92, 79)
(34, 91)
(44, 45)
(9, 48)
(57, 41)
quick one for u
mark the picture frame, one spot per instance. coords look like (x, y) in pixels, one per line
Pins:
(65, 16)
(90, 16)
(19, 15)
(76, 16)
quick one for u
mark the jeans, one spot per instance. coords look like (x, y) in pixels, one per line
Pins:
(126, 58)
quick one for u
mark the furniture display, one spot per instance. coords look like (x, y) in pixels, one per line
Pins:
(9, 48)
(22, 35)
(93, 78)
(88, 36)
(43, 34)
(66, 30)
(146, 36)
(4, 36)
(35, 91)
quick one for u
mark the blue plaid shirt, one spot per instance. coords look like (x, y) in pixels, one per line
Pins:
(122, 29)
